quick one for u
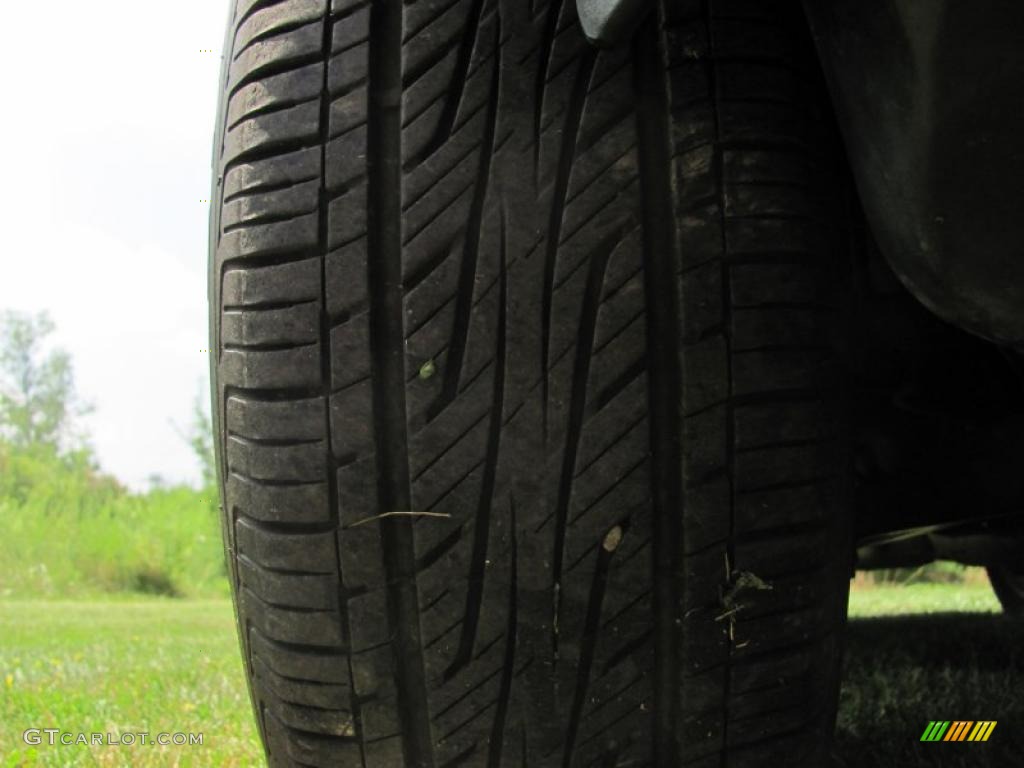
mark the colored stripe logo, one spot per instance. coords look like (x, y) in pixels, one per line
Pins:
(958, 730)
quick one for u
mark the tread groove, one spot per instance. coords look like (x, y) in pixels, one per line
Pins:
(591, 626)
(497, 740)
(664, 382)
(323, 238)
(453, 97)
(482, 528)
(570, 135)
(471, 249)
(598, 260)
(384, 234)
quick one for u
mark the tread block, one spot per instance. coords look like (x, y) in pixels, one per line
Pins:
(788, 747)
(346, 112)
(301, 503)
(301, 419)
(296, 368)
(755, 636)
(275, 171)
(779, 669)
(702, 301)
(303, 692)
(345, 269)
(750, 81)
(780, 369)
(756, 328)
(314, 628)
(297, 324)
(294, 48)
(704, 449)
(736, 38)
(753, 284)
(310, 749)
(380, 717)
(384, 752)
(695, 175)
(272, 129)
(347, 70)
(300, 463)
(354, 28)
(292, 201)
(346, 217)
(691, 85)
(704, 578)
(760, 166)
(293, 236)
(787, 594)
(696, 130)
(314, 591)
(786, 199)
(771, 558)
(763, 234)
(352, 432)
(328, 721)
(778, 723)
(619, 359)
(369, 621)
(371, 672)
(277, 92)
(705, 382)
(700, 236)
(350, 344)
(762, 510)
(277, 18)
(763, 424)
(361, 555)
(430, 305)
(602, 430)
(314, 666)
(789, 464)
(299, 552)
(705, 502)
(346, 158)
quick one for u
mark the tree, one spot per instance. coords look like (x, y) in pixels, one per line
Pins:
(38, 402)
(200, 439)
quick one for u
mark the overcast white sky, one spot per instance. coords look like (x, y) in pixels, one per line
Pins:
(106, 133)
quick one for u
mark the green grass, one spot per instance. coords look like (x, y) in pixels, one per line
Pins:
(930, 652)
(119, 666)
(172, 665)
(923, 598)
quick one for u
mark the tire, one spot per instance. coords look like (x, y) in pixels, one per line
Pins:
(1008, 584)
(526, 384)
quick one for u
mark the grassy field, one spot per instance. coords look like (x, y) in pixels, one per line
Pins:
(124, 665)
(914, 654)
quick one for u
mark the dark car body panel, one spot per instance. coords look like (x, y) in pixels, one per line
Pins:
(929, 96)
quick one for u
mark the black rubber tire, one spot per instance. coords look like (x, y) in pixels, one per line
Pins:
(525, 383)
(1008, 584)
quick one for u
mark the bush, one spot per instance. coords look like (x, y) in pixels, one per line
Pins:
(70, 530)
